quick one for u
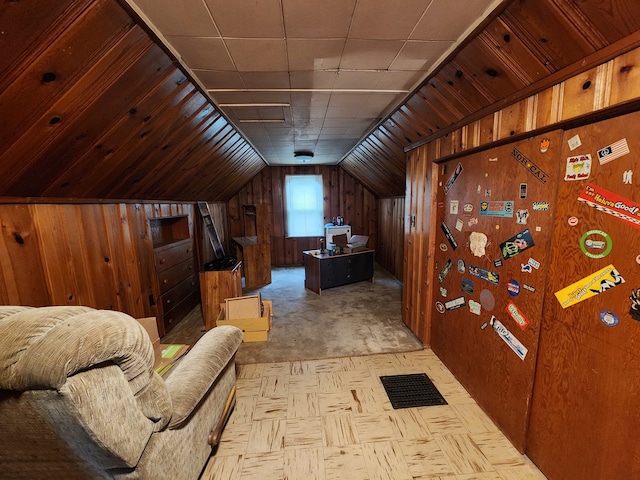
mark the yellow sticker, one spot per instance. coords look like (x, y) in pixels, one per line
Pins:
(590, 286)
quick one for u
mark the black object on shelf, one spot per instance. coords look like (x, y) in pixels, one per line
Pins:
(221, 263)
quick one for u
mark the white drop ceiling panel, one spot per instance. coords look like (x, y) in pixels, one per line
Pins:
(303, 74)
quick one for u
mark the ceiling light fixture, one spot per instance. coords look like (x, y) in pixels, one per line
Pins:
(303, 156)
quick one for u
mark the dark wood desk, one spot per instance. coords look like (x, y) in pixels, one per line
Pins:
(322, 270)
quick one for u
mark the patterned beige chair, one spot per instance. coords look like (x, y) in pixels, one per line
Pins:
(79, 397)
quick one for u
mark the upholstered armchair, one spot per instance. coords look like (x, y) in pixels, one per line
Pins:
(79, 397)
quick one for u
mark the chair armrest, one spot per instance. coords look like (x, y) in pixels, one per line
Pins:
(197, 371)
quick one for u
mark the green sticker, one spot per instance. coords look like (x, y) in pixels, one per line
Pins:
(604, 245)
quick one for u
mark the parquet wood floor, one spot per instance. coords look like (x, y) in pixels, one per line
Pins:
(331, 420)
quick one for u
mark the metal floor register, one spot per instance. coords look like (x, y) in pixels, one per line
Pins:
(413, 390)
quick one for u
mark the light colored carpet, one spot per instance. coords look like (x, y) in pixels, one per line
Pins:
(358, 319)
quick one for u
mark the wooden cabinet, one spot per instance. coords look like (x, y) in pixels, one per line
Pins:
(326, 271)
(254, 247)
(177, 281)
(215, 287)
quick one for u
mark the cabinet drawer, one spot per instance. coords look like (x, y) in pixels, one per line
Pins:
(172, 318)
(168, 257)
(170, 277)
(171, 298)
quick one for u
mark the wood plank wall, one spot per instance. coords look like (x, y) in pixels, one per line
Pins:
(584, 421)
(391, 234)
(343, 196)
(99, 255)
(499, 380)
(605, 91)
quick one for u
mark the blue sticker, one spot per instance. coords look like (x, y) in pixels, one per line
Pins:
(491, 277)
(496, 208)
(467, 286)
(609, 318)
(513, 287)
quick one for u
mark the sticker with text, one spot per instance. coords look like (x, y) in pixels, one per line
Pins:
(578, 168)
(449, 235)
(611, 204)
(508, 338)
(452, 179)
(590, 286)
(496, 208)
(455, 303)
(531, 167)
(491, 277)
(517, 315)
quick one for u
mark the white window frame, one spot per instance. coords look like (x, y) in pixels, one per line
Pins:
(305, 213)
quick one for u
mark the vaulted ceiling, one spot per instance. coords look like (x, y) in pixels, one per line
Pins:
(97, 104)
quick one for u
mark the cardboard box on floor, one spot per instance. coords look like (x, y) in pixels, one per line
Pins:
(166, 355)
(357, 243)
(254, 328)
(249, 306)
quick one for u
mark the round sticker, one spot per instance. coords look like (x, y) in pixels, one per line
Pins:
(440, 307)
(443, 247)
(513, 287)
(589, 245)
(487, 300)
(638, 259)
(573, 221)
(609, 318)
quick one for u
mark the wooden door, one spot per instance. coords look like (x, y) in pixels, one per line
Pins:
(418, 246)
(584, 414)
(494, 217)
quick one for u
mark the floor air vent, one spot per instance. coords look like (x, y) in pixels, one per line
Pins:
(413, 390)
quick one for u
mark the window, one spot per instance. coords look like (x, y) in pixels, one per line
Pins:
(304, 197)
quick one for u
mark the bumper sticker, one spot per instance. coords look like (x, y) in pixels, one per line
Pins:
(445, 270)
(453, 178)
(508, 338)
(496, 208)
(515, 313)
(455, 303)
(449, 235)
(491, 277)
(611, 204)
(590, 286)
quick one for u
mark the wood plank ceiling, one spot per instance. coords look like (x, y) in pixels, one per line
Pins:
(93, 106)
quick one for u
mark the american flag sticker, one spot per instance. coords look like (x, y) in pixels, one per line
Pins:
(613, 151)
